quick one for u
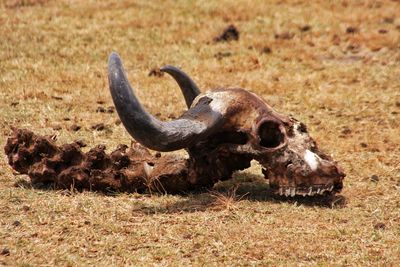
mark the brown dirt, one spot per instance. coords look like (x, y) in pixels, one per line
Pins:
(156, 72)
(231, 33)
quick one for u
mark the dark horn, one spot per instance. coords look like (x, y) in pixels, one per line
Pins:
(188, 87)
(196, 124)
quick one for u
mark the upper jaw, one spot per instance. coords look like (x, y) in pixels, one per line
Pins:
(303, 182)
(305, 191)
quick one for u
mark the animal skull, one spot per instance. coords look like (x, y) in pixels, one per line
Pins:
(223, 130)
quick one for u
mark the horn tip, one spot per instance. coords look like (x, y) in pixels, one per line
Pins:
(114, 58)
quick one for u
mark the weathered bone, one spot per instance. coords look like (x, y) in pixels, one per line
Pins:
(222, 131)
(125, 169)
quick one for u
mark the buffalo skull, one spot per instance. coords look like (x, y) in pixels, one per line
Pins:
(223, 130)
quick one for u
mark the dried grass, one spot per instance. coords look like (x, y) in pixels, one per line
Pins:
(344, 86)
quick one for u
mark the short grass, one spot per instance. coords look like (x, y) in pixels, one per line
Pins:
(335, 65)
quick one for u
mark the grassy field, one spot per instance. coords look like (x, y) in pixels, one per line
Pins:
(335, 65)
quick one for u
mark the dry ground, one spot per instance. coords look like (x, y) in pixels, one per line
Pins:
(335, 65)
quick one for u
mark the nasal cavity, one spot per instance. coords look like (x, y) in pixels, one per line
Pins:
(270, 134)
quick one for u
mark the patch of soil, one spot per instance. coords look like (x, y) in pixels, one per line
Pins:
(266, 50)
(305, 28)
(231, 33)
(351, 30)
(221, 55)
(98, 127)
(75, 127)
(156, 72)
(383, 31)
(379, 226)
(101, 110)
(80, 143)
(57, 97)
(5, 252)
(109, 109)
(284, 35)
(57, 127)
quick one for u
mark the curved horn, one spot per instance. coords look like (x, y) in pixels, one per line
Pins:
(188, 87)
(194, 125)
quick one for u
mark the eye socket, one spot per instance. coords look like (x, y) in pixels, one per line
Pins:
(270, 134)
(228, 137)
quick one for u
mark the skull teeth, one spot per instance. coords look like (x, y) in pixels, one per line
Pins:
(281, 191)
(287, 192)
(293, 192)
(310, 191)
